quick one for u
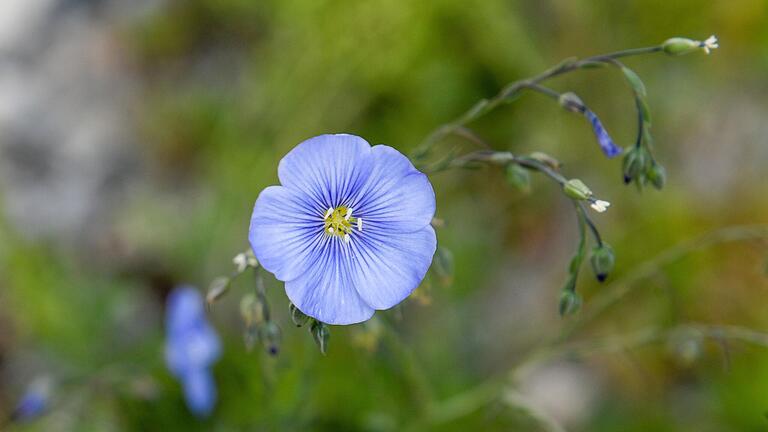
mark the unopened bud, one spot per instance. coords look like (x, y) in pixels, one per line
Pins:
(321, 335)
(216, 290)
(602, 260)
(298, 317)
(570, 302)
(681, 46)
(576, 189)
(657, 175)
(571, 102)
(634, 164)
(269, 334)
(253, 310)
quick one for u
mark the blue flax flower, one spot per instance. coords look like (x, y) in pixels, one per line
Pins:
(35, 400)
(191, 348)
(349, 229)
(606, 143)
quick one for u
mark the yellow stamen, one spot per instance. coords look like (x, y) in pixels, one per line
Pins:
(339, 221)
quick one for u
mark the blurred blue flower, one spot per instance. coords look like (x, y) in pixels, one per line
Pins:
(191, 348)
(606, 143)
(35, 400)
(349, 229)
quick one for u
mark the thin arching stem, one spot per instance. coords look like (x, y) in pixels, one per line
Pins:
(513, 89)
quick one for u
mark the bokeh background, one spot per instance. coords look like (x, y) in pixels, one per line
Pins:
(135, 137)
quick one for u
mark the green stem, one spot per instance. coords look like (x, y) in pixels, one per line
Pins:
(413, 371)
(590, 224)
(512, 90)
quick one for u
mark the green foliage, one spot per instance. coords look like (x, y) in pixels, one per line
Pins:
(230, 86)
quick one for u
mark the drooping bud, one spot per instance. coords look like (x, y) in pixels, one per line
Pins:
(253, 310)
(681, 46)
(634, 164)
(576, 189)
(657, 175)
(298, 317)
(609, 148)
(571, 102)
(321, 335)
(603, 261)
(217, 289)
(518, 177)
(570, 302)
(269, 334)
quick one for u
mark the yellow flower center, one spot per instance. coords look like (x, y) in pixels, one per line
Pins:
(339, 221)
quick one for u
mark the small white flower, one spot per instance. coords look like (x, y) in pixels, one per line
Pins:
(710, 44)
(600, 205)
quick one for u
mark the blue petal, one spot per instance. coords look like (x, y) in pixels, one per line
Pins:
(326, 291)
(199, 392)
(183, 306)
(327, 168)
(606, 143)
(388, 265)
(194, 348)
(191, 341)
(286, 231)
(32, 405)
(396, 195)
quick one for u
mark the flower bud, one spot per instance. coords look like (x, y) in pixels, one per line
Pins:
(602, 260)
(570, 302)
(518, 177)
(571, 102)
(633, 164)
(321, 335)
(657, 175)
(253, 310)
(681, 46)
(269, 334)
(297, 316)
(609, 148)
(216, 290)
(576, 189)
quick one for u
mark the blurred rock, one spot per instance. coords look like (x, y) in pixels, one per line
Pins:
(66, 146)
(566, 392)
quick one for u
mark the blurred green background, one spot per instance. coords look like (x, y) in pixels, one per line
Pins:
(135, 137)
